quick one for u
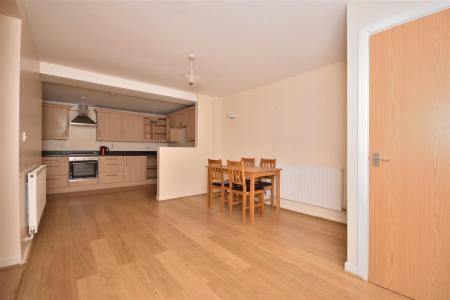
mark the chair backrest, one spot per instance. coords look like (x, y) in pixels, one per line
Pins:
(215, 170)
(268, 163)
(249, 162)
(236, 174)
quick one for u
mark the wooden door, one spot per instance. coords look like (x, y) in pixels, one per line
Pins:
(55, 121)
(190, 124)
(410, 128)
(135, 168)
(109, 126)
(133, 127)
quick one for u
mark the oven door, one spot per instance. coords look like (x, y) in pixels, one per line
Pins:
(83, 169)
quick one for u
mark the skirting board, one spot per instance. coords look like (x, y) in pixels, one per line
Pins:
(329, 214)
(9, 261)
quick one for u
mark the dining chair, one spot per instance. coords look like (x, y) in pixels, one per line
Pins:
(240, 187)
(249, 162)
(268, 182)
(217, 181)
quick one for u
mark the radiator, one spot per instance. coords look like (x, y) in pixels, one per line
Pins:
(317, 186)
(36, 197)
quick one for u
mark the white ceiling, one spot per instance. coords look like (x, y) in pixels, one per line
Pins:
(98, 98)
(239, 44)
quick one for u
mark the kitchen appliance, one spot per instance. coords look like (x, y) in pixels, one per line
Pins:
(104, 150)
(83, 166)
(83, 118)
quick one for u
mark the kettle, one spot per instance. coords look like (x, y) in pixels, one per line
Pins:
(104, 150)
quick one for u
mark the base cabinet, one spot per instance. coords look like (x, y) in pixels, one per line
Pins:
(113, 171)
(135, 168)
(110, 177)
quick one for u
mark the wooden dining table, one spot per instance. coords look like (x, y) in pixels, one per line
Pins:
(253, 173)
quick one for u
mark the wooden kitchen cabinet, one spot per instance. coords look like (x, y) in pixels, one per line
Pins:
(57, 171)
(177, 119)
(109, 126)
(182, 119)
(55, 121)
(132, 127)
(135, 168)
(108, 164)
(190, 124)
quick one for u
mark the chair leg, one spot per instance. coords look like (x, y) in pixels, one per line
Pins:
(222, 199)
(230, 202)
(244, 207)
(261, 200)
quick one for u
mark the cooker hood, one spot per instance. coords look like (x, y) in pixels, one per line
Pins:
(83, 116)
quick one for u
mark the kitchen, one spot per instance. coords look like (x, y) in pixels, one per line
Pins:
(98, 139)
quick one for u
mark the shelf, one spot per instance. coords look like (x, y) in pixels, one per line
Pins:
(152, 167)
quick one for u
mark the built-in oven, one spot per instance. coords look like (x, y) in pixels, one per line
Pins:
(83, 167)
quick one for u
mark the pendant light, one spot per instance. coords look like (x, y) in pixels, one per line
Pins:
(191, 77)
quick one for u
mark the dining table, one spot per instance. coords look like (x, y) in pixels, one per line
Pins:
(253, 173)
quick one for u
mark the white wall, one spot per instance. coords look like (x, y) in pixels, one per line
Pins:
(298, 120)
(182, 171)
(9, 124)
(85, 138)
(30, 118)
(361, 15)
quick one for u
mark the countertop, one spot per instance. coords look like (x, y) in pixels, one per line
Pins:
(110, 153)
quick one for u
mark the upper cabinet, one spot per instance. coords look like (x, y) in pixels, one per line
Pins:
(190, 124)
(109, 125)
(183, 119)
(130, 127)
(55, 121)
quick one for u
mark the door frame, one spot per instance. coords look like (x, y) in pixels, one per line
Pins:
(363, 125)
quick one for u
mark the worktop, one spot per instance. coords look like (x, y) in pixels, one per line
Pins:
(110, 153)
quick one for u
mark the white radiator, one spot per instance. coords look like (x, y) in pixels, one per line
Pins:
(317, 186)
(36, 196)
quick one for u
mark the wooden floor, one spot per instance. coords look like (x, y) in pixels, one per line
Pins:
(123, 244)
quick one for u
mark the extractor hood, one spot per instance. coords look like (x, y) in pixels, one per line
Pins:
(83, 116)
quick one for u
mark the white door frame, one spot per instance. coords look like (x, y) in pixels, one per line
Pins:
(363, 123)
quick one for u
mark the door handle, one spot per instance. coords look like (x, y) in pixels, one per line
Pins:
(377, 159)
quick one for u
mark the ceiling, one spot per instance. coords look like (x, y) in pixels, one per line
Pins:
(239, 44)
(97, 98)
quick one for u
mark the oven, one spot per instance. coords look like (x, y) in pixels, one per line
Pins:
(83, 167)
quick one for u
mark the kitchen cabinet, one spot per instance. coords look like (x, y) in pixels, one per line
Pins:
(132, 127)
(57, 171)
(178, 119)
(110, 177)
(135, 168)
(109, 126)
(182, 119)
(55, 121)
(190, 124)
(108, 164)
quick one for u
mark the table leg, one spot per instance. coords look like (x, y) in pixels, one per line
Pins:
(252, 199)
(278, 180)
